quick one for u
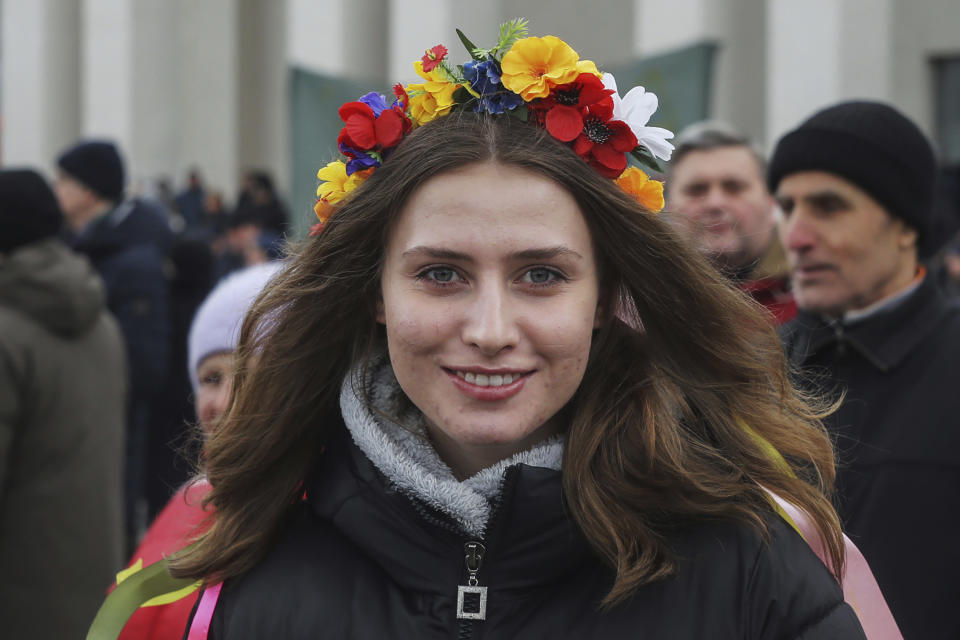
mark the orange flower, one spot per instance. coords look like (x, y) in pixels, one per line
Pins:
(323, 211)
(647, 192)
(533, 66)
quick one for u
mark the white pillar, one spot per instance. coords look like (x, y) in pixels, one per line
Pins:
(316, 38)
(207, 89)
(263, 135)
(154, 150)
(417, 25)
(40, 72)
(803, 73)
(866, 48)
(108, 34)
(737, 27)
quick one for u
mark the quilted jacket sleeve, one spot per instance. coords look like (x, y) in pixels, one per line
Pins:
(792, 595)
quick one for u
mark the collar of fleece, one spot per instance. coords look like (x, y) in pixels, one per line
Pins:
(401, 451)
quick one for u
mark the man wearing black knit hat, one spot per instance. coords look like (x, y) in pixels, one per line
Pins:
(126, 241)
(855, 186)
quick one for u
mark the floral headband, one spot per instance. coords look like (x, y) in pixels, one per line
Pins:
(540, 80)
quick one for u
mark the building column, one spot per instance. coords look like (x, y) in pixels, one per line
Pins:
(737, 91)
(40, 89)
(263, 135)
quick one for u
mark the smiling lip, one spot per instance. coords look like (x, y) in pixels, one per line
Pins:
(488, 385)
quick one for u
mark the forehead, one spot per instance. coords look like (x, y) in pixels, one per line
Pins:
(489, 205)
(814, 183)
(706, 164)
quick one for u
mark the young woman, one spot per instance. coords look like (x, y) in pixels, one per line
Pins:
(496, 397)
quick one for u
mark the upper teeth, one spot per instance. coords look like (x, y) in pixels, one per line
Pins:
(483, 380)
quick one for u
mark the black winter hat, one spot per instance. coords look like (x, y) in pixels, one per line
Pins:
(97, 164)
(875, 147)
(28, 209)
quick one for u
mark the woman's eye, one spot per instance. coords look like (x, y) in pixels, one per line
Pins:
(541, 276)
(439, 275)
(212, 379)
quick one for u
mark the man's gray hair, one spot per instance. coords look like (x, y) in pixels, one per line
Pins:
(708, 135)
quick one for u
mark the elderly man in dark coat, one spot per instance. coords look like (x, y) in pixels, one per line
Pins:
(62, 405)
(855, 184)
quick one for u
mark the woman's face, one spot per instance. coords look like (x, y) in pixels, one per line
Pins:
(490, 297)
(214, 380)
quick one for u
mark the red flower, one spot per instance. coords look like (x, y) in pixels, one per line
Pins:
(403, 99)
(433, 57)
(604, 145)
(566, 109)
(363, 131)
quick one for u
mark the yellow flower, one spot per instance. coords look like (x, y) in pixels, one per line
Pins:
(430, 99)
(337, 183)
(647, 192)
(533, 66)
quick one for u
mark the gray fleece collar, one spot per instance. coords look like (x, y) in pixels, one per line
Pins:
(403, 453)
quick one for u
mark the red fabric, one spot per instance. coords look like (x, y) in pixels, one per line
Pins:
(171, 531)
(774, 294)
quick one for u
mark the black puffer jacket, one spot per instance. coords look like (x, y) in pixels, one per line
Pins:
(361, 560)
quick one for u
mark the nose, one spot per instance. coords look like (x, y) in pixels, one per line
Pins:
(490, 325)
(214, 404)
(797, 234)
(713, 201)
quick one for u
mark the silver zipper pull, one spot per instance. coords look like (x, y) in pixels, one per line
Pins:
(472, 610)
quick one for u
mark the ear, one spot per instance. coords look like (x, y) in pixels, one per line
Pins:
(381, 317)
(600, 313)
(908, 237)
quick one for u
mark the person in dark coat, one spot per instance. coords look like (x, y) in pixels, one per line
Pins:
(496, 397)
(62, 408)
(855, 182)
(126, 241)
(717, 194)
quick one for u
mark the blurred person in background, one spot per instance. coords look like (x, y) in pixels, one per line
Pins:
(855, 185)
(190, 278)
(718, 198)
(126, 241)
(213, 338)
(189, 201)
(259, 199)
(62, 408)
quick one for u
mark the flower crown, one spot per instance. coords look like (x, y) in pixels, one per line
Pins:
(540, 80)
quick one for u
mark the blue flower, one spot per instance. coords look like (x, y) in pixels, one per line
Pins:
(376, 101)
(359, 160)
(484, 78)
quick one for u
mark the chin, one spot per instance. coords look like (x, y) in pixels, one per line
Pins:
(823, 305)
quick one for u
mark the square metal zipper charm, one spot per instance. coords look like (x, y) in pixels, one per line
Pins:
(477, 612)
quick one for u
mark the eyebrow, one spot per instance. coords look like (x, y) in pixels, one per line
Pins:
(538, 253)
(820, 197)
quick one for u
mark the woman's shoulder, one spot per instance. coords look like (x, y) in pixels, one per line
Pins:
(784, 588)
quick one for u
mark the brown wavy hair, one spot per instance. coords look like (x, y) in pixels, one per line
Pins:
(656, 432)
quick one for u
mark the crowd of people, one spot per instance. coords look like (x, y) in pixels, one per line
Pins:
(496, 392)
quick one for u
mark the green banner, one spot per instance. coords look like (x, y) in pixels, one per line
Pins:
(315, 125)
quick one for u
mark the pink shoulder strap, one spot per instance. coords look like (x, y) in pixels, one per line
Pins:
(201, 621)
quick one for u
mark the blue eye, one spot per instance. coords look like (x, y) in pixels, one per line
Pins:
(542, 277)
(442, 275)
(439, 276)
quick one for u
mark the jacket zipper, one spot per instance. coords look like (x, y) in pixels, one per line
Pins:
(475, 552)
